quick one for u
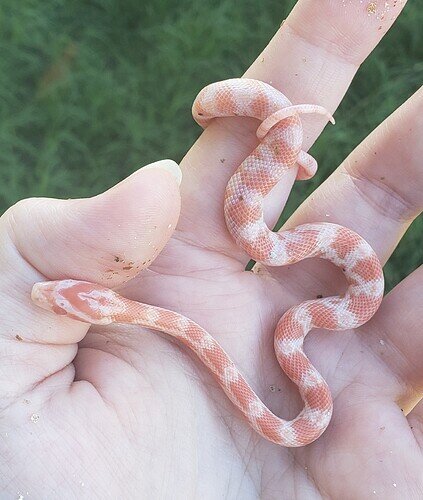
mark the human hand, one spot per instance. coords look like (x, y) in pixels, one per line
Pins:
(136, 415)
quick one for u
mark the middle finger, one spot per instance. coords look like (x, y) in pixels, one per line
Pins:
(378, 189)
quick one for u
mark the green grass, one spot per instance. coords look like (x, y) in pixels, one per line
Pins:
(85, 87)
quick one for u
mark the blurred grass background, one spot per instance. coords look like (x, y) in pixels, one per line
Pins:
(88, 90)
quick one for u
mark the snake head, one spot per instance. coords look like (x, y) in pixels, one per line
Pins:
(79, 300)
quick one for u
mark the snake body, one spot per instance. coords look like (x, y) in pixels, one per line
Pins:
(281, 136)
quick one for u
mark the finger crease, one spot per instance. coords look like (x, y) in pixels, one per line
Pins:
(385, 200)
(329, 47)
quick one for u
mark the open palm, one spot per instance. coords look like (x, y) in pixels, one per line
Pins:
(123, 412)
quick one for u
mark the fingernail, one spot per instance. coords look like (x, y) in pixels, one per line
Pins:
(168, 165)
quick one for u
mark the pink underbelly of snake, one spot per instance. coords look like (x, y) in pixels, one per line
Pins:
(281, 138)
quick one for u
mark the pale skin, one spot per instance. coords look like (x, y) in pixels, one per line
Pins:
(121, 412)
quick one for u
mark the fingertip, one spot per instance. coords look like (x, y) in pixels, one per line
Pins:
(169, 166)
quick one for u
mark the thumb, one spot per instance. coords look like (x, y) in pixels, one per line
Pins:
(107, 239)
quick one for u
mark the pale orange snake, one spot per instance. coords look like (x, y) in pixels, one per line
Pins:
(281, 136)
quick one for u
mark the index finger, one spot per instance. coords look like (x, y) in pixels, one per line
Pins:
(312, 59)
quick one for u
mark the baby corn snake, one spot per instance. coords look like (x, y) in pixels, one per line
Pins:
(281, 136)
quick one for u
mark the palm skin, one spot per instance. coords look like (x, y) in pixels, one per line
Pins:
(178, 414)
(114, 412)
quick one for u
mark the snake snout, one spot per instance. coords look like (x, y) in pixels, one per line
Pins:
(42, 293)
